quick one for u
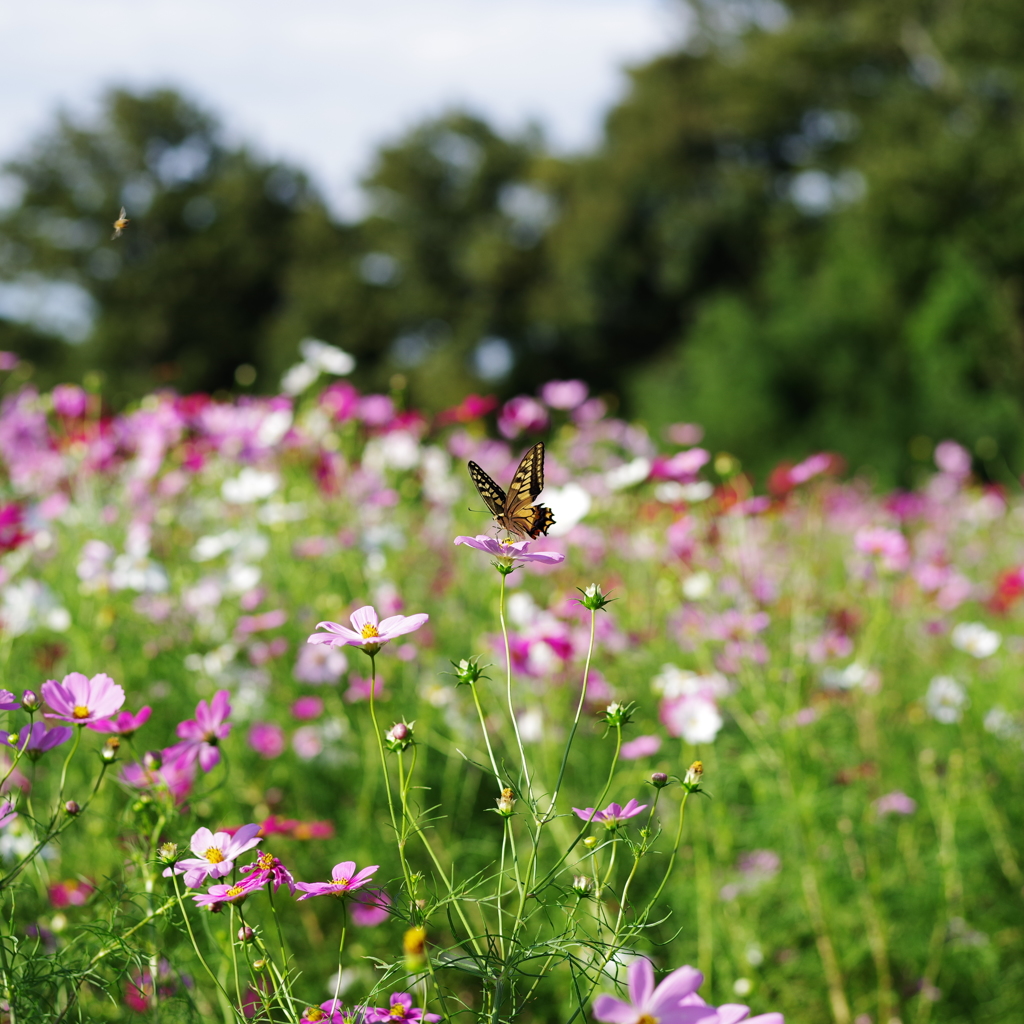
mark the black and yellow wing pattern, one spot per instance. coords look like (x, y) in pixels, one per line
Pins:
(515, 511)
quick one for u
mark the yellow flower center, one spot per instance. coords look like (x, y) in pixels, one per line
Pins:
(80, 711)
(235, 890)
(398, 1010)
(342, 882)
(265, 861)
(213, 855)
(315, 1013)
(369, 631)
(646, 1018)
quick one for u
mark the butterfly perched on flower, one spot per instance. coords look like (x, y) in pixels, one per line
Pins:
(515, 511)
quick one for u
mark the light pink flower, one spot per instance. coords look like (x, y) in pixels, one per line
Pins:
(201, 736)
(215, 854)
(125, 724)
(642, 746)
(508, 552)
(7, 813)
(318, 664)
(343, 879)
(613, 815)
(217, 894)
(889, 545)
(661, 1005)
(370, 907)
(367, 632)
(519, 414)
(564, 394)
(81, 700)
(896, 802)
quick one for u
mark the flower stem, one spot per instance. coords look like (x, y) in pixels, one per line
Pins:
(508, 693)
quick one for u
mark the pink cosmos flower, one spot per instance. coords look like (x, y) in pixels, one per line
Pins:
(613, 815)
(218, 894)
(642, 746)
(266, 869)
(519, 414)
(890, 545)
(81, 700)
(307, 707)
(267, 739)
(895, 803)
(564, 394)
(370, 907)
(177, 778)
(215, 854)
(508, 552)
(35, 739)
(72, 892)
(125, 724)
(201, 736)
(8, 702)
(318, 664)
(661, 1005)
(325, 1013)
(401, 1008)
(733, 1013)
(7, 813)
(343, 879)
(69, 400)
(367, 632)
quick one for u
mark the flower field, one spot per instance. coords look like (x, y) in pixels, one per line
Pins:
(278, 748)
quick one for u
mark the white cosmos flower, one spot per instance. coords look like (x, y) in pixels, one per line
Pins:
(250, 485)
(945, 700)
(975, 638)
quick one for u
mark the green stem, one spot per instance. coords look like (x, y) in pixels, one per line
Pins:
(508, 694)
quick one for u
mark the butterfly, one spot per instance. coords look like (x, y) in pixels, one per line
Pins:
(120, 224)
(515, 511)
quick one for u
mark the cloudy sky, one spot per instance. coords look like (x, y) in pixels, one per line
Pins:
(322, 82)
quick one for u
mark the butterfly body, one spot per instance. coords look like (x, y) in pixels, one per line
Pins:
(515, 511)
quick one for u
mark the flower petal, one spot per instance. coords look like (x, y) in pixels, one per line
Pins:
(641, 981)
(399, 625)
(673, 988)
(614, 1011)
(732, 1013)
(365, 616)
(345, 870)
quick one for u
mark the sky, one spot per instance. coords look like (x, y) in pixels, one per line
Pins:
(322, 83)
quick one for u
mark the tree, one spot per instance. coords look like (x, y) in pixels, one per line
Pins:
(192, 288)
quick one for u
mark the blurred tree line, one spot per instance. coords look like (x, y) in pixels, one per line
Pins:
(804, 229)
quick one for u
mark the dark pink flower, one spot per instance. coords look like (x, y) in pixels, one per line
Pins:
(125, 724)
(613, 815)
(266, 869)
(509, 552)
(81, 700)
(661, 1004)
(7, 813)
(308, 707)
(267, 739)
(401, 1008)
(201, 736)
(367, 632)
(343, 879)
(72, 892)
(519, 414)
(326, 1013)
(215, 854)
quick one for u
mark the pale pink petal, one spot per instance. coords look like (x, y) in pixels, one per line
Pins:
(57, 698)
(365, 616)
(209, 757)
(244, 839)
(732, 1013)
(76, 686)
(641, 982)
(220, 706)
(673, 988)
(364, 876)
(614, 1011)
(345, 870)
(202, 840)
(767, 1018)
(544, 557)
(401, 624)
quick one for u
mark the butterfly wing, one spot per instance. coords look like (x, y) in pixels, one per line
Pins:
(521, 515)
(494, 497)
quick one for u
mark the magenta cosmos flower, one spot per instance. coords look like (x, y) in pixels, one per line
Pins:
(125, 724)
(325, 1013)
(343, 879)
(8, 702)
(215, 854)
(266, 869)
(613, 815)
(401, 1008)
(661, 1005)
(82, 700)
(506, 552)
(35, 739)
(367, 631)
(201, 736)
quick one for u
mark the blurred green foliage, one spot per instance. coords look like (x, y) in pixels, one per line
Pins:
(802, 229)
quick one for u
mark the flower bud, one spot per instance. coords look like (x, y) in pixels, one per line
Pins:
(590, 842)
(168, 853)
(617, 714)
(506, 803)
(30, 700)
(246, 934)
(659, 780)
(12, 739)
(152, 760)
(399, 736)
(593, 599)
(257, 965)
(693, 776)
(72, 808)
(414, 942)
(582, 885)
(110, 749)
(468, 671)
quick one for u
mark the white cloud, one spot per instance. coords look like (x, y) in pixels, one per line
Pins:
(322, 82)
